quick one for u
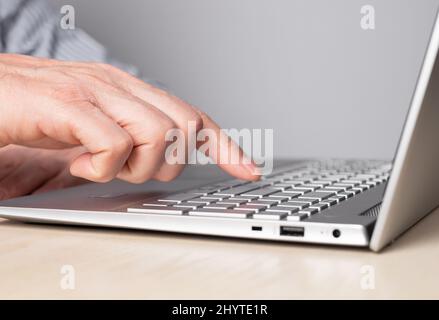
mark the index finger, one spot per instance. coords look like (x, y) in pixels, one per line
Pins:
(224, 148)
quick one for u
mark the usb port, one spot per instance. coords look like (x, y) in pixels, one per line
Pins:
(292, 231)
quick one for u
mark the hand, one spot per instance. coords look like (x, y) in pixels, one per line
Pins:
(120, 121)
(26, 170)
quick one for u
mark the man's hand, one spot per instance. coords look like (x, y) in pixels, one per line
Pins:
(26, 170)
(119, 121)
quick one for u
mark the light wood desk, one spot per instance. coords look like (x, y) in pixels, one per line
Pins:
(127, 264)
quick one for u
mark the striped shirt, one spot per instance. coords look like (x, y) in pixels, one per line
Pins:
(32, 27)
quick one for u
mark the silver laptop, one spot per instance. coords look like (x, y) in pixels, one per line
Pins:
(338, 202)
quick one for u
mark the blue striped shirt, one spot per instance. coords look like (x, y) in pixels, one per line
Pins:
(32, 27)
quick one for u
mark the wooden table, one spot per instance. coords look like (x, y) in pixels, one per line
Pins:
(110, 263)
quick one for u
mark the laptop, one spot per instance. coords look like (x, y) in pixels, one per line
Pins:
(349, 202)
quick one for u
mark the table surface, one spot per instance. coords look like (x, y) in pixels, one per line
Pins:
(110, 263)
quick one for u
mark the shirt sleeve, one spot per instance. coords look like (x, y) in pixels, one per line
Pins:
(32, 27)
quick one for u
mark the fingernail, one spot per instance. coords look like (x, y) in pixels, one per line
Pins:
(252, 169)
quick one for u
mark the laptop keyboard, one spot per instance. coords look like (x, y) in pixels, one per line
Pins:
(290, 194)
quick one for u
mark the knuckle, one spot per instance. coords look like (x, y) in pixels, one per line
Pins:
(121, 145)
(70, 93)
(159, 141)
(106, 67)
(198, 121)
(101, 65)
(166, 125)
(158, 144)
(205, 118)
(95, 78)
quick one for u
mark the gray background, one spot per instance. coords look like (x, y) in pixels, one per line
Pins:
(304, 68)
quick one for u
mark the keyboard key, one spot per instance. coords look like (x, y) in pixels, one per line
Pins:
(179, 197)
(214, 197)
(353, 191)
(366, 176)
(229, 184)
(320, 206)
(337, 198)
(253, 208)
(249, 198)
(297, 216)
(265, 203)
(317, 195)
(296, 204)
(204, 191)
(284, 195)
(219, 206)
(260, 192)
(158, 210)
(270, 215)
(351, 183)
(188, 205)
(310, 177)
(271, 200)
(330, 179)
(202, 201)
(336, 188)
(288, 210)
(331, 201)
(238, 190)
(360, 187)
(296, 181)
(301, 190)
(293, 183)
(281, 186)
(309, 211)
(221, 213)
(155, 203)
(342, 185)
(309, 201)
(321, 183)
(310, 186)
(234, 201)
(336, 177)
(354, 180)
(345, 194)
(294, 193)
